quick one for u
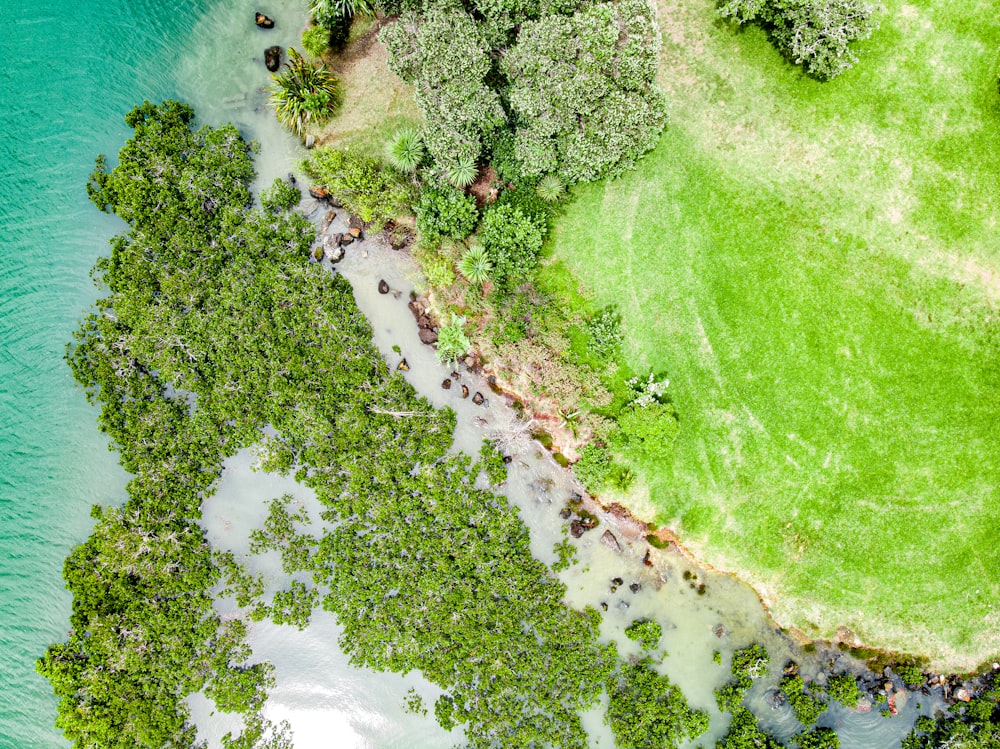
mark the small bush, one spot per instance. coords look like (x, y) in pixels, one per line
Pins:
(604, 332)
(818, 738)
(651, 429)
(461, 172)
(406, 150)
(452, 342)
(361, 183)
(550, 188)
(316, 40)
(645, 632)
(445, 211)
(512, 241)
(281, 196)
(910, 673)
(492, 462)
(437, 270)
(329, 9)
(475, 265)
(807, 708)
(594, 468)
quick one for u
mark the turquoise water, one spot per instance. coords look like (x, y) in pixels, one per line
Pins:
(71, 71)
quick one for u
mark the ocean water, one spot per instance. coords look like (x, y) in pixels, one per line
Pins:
(71, 71)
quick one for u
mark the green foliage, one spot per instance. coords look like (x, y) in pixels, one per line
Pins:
(512, 241)
(749, 663)
(651, 429)
(745, 733)
(444, 54)
(316, 41)
(605, 333)
(414, 703)
(305, 93)
(646, 632)
(406, 150)
(437, 270)
(595, 467)
(295, 605)
(475, 264)
(813, 33)
(844, 689)
(445, 212)
(281, 196)
(975, 725)
(565, 553)
(817, 738)
(910, 673)
(492, 462)
(361, 183)
(550, 188)
(645, 711)
(583, 90)
(452, 343)
(807, 708)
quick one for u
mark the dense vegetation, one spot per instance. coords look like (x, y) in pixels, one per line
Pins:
(215, 327)
(972, 725)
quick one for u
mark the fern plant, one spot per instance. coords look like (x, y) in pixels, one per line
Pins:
(452, 342)
(305, 93)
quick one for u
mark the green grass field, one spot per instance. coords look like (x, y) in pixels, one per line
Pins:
(817, 269)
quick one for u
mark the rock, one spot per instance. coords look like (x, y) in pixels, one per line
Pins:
(616, 581)
(383, 287)
(327, 219)
(791, 668)
(623, 605)
(719, 631)
(887, 687)
(319, 192)
(614, 588)
(346, 239)
(634, 587)
(272, 58)
(576, 498)
(508, 459)
(604, 605)
(332, 249)
(310, 140)
(576, 529)
(455, 375)
(963, 695)
(565, 513)
(609, 540)
(465, 391)
(428, 337)
(478, 398)
(318, 253)
(446, 384)
(900, 699)
(648, 559)
(364, 253)
(775, 698)
(355, 232)
(292, 179)
(416, 308)
(262, 21)
(424, 322)
(403, 366)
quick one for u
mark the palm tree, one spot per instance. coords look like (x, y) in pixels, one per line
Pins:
(475, 264)
(462, 172)
(406, 150)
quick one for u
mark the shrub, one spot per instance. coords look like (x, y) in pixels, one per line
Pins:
(813, 33)
(281, 196)
(512, 241)
(807, 708)
(406, 150)
(645, 632)
(452, 342)
(817, 738)
(910, 673)
(492, 462)
(461, 172)
(445, 211)
(360, 182)
(327, 9)
(604, 332)
(316, 40)
(650, 429)
(594, 468)
(437, 270)
(305, 93)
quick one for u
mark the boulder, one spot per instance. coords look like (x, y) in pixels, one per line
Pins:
(428, 336)
(272, 58)
(332, 249)
(465, 391)
(424, 322)
(576, 529)
(383, 287)
(346, 239)
(355, 232)
(609, 540)
(319, 192)
(478, 398)
(262, 21)
(446, 384)
(327, 219)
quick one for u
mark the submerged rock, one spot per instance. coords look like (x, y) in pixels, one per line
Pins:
(609, 540)
(272, 58)
(403, 366)
(775, 698)
(383, 287)
(446, 384)
(465, 391)
(478, 397)
(262, 21)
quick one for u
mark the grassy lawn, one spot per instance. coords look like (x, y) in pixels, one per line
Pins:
(817, 269)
